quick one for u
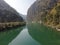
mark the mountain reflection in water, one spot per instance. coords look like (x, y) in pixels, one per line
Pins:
(33, 34)
(7, 36)
(44, 35)
(24, 39)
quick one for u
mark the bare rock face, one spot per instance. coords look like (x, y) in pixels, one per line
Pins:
(8, 14)
(39, 9)
(4, 5)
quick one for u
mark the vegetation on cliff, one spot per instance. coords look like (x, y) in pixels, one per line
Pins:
(53, 17)
(39, 9)
(45, 11)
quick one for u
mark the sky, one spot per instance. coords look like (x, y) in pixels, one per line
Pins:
(20, 6)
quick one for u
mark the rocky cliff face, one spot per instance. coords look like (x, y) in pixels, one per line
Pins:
(39, 9)
(4, 5)
(46, 12)
(8, 14)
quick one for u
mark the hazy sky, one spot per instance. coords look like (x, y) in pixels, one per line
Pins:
(20, 5)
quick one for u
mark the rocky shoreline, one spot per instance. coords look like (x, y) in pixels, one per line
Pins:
(11, 25)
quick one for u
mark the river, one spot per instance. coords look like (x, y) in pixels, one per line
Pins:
(24, 38)
(33, 34)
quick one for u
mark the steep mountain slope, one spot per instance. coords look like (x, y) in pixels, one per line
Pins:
(46, 12)
(39, 9)
(9, 17)
(4, 5)
(8, 14)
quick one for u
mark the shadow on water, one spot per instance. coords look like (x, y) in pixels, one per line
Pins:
(44, 35)
(7, 36)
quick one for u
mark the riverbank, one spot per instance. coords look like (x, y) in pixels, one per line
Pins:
(11, 25)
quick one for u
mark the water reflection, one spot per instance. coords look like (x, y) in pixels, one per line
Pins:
(44, 35)
(24, 39)
(7, 36)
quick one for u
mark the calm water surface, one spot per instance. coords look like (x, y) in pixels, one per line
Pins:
(24, 39)
(33, 34)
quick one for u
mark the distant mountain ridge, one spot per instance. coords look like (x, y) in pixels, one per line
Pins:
(23, 16)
